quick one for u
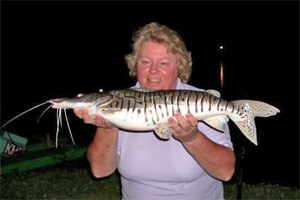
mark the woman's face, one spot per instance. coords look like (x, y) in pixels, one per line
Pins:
(156, 67)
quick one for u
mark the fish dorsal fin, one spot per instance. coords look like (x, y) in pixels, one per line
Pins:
(218, 122)
(163, 131)
(214, 93)
(142, 90)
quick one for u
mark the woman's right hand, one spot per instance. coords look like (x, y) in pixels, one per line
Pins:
(97, 120)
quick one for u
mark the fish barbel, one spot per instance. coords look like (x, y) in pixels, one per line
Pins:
(145, 110)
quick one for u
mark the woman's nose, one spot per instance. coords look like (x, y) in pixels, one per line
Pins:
(153, 68)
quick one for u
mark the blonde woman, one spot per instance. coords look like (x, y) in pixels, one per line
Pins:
(192, 164)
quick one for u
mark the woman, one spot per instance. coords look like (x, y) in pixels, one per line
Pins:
(192, 164)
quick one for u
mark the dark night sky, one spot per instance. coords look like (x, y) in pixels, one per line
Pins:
(57, 49)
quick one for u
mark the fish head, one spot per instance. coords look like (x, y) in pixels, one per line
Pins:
(83, 101)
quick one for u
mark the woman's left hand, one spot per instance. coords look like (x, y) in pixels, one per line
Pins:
(184, 129)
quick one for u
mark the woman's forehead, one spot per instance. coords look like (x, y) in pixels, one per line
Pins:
(154, 48)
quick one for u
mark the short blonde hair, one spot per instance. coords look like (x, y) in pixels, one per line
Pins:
(164, 35)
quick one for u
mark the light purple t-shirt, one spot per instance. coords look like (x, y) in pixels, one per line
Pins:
(151, 168)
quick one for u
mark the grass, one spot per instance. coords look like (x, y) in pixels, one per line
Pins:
(74, 181)
(262, 191)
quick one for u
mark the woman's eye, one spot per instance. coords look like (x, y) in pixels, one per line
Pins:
(164, 63)
(145, 62)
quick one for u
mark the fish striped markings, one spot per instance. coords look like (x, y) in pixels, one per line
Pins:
(156, 105)
(149, 110)
(143, 110)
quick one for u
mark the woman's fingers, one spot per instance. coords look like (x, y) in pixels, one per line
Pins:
(183, 129)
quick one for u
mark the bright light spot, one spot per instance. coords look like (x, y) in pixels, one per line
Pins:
(221, 47)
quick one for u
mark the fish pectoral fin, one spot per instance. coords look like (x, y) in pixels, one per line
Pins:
(214, 93)
(218, 122)
(109, 111)
(163, 131)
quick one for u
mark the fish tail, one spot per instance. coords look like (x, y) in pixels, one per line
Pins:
(244, 113)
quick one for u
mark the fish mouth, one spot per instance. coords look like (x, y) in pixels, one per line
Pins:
(58, 103)
(58, 100)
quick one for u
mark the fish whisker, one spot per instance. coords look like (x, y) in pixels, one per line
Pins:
(24, 113)
(71, 135)
(44, 112)
(57, 127)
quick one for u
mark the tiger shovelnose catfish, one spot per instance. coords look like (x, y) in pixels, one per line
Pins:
(145, 110)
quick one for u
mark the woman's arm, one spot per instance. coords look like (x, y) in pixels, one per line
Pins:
(102, 152)
(217, 160)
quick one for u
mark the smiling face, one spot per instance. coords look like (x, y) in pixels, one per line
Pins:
(156, 67)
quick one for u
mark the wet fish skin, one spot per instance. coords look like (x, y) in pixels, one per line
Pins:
(145, 110)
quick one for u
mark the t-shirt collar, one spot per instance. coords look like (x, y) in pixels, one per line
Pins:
(178, 84)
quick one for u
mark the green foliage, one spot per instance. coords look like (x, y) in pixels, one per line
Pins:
(73, 181)
(262, 191)
(59, 183)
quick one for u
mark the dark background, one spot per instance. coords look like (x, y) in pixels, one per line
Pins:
(60, 49)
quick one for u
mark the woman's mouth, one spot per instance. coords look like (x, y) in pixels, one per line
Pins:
(153, 80)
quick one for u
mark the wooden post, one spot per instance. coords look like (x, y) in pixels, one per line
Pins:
(240, 149)
(221, 74)
(221, 50)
